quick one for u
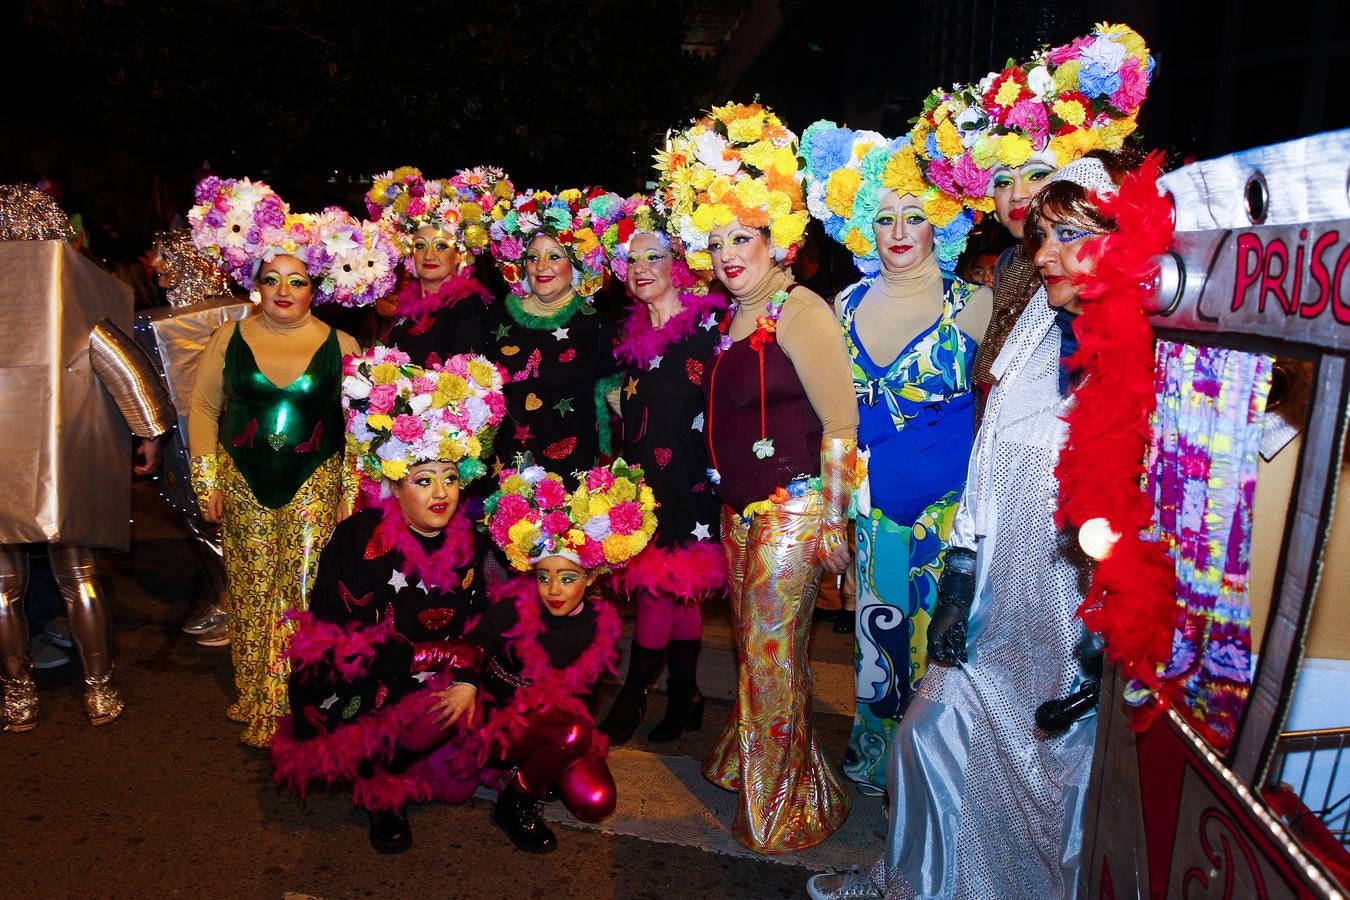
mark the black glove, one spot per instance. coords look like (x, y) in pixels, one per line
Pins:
(1054, 716)
(951, 615)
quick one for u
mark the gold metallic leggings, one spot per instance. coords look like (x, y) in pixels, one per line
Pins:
(271, 559)
(90, 621)
(791, 797)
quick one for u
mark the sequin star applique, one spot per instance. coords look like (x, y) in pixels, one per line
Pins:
(560, 333)
(630, 388)
(398, 581)
(709, 322)
(701, 532)
(698, 422)
(522, 434)
(655, 363)
(563, 406)
(423, 676)
(501, 331)
(329, 702)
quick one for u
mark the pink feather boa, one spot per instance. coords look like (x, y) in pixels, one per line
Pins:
(336, 756)
(690, 572)
(550, 688)
(353, 646)
(442, 569)
(419, 307)
(640, 343)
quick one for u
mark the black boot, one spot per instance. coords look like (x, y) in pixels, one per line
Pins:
(684, 702)
(631, 704)
(517, 814)
(389, 831)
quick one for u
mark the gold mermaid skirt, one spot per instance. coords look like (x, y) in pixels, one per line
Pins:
(791, 798)
(271, 560)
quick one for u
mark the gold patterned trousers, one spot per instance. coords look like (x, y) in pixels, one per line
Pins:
(791, 798)
(271, 560)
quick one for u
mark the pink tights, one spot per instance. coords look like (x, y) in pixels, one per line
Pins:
(555, 749)
(662, 619)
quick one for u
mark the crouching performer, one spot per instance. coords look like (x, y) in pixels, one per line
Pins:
(398, 586)
(544, 646)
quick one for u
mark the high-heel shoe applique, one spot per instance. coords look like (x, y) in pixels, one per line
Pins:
(312, 444)
(245, 438)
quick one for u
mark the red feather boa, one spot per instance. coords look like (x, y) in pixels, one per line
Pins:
(692, 572)
(419, 307)
(640, 343)
(1132, 600)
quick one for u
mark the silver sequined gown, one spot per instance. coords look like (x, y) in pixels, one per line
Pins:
(985, 805)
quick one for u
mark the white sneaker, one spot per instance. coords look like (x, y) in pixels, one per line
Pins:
(837, 885)
(212, 618)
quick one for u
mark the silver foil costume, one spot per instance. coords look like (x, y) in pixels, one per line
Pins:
(200, 300)
(71, 387)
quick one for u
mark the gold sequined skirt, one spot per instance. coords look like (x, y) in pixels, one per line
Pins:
(791, 798)
(271, 560)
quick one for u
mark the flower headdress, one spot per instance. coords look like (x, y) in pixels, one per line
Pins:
(847, 172)
(404, 200)
(1067, 100)
(643, 214)
(737, 162)
(240, 224)
(195, 276)
(605, 521)
(400, 414)
(570, 217)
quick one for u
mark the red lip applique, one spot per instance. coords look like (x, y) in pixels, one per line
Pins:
(662, 455)
(567, 355)
(694, 369)
(561, 449)
(436, 619)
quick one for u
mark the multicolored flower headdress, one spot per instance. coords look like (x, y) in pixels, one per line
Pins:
(400, 414)
(403, 200)
(737, 162)
(241, 224)
(1065, 101)
(846, 174)
(572, 217)
(605, 521)
(644, 214)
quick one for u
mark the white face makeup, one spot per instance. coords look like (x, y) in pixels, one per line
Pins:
(428, 496)
(548, 268)
(904, 236)
(286, 289)
(741, 257)
(1013, 189)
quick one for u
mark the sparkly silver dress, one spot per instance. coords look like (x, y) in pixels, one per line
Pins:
(984, 804)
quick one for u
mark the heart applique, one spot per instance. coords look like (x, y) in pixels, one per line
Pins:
(694, 369)
(509, 350)
(532, 401)
(276, 440)
(567, 355)
(662, 455)
(561, 449)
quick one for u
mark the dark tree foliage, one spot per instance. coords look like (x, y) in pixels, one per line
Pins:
(126, 97)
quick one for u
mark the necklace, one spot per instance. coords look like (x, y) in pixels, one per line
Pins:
(766, 327)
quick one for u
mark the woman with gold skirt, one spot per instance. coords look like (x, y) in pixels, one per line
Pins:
(266, 425)
(781, 431)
